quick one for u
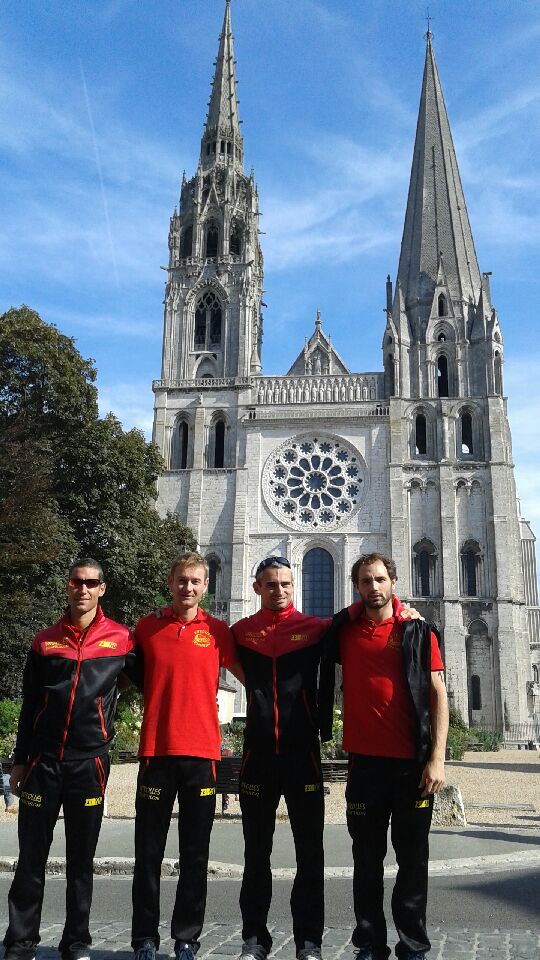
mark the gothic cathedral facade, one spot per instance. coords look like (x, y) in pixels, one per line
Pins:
(323, 464)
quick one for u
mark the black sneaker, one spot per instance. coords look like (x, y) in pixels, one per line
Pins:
(310, 951)
(146, 951)
(364, 953)
(184, 951)
(78, 953)
(251, 950)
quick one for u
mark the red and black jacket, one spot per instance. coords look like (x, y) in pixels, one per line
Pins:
(280, 654)
(69, 690)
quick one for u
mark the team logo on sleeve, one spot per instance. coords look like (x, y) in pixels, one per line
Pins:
(202, 638)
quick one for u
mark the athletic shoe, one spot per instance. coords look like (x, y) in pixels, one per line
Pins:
(251, 950)
(183, 951)
(310, 951)
(364, 953)
(146, 951)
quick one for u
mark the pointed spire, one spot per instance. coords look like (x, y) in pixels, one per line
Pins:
(436, 221)
(222, 138)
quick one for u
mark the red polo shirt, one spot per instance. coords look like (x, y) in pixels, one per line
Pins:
(378, 712)
(181, 673)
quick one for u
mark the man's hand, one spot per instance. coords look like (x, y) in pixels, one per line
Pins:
(16, 778)
(432, 779)
(410, 613)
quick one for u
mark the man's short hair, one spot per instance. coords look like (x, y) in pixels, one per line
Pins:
(189, 559)
(373, 558)
(272, 563)
(87, 562)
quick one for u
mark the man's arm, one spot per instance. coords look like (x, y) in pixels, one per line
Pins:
(432, 779)
(31, 689)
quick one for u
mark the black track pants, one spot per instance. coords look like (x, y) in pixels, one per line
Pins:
(78, 786)
(160, 781)
(263, 779)
(382, 790)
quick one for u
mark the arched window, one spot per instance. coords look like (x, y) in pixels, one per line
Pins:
(442, 376)
(208, 322)
(420, 434)
(180, 446)
(186, 243)
(424, 569)
(442, 306)
(183, 436)
(467, 446)
(498, 374)
(476, 693)
(390, 383)
(536, 674)
(212, 240)
(471, 558)
(235, 243)
(214, 576)
(318, 583)
(219, 443)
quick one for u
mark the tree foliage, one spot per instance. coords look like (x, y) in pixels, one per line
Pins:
(71, 484)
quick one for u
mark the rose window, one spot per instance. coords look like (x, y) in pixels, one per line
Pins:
(314, 482)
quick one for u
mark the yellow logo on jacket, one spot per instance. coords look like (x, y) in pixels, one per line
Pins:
(93, 801)
(55, 644)
(110, 644)
(298, 638)
(394, 640)
(202, 638)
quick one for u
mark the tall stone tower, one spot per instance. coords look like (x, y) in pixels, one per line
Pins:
(454, 515)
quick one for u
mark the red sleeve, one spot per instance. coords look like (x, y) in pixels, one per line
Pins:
(436, 659)
(227, 647)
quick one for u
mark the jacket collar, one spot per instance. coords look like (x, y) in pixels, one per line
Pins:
(270, 616)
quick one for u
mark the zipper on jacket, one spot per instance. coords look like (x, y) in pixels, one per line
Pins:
(71, 698)
(43, 708)
(276, 714)
(102, 718)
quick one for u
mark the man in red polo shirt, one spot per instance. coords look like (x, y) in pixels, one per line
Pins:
(179, 653)
(395, 722)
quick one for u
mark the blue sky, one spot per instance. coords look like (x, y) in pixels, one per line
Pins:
(102, 105)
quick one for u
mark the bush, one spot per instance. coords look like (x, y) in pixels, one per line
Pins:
(333, 749)
(457, 741)
(488, 740)
(128, 724)
(9, 718)
(232, 738)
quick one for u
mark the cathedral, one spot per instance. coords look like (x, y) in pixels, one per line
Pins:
(323, 464)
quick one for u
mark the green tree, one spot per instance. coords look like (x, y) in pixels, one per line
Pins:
(71, 484)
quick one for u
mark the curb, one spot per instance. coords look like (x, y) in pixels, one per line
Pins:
(217, 870)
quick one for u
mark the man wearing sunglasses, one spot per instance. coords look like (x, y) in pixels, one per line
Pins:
(61, 758)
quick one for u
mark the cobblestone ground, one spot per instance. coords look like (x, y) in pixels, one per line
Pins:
(223, 941)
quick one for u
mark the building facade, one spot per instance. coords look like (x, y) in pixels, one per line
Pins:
(323, 463)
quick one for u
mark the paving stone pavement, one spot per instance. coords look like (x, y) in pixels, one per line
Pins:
(221, 941)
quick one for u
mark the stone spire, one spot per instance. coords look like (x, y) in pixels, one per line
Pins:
(222, 141)
(436, 221)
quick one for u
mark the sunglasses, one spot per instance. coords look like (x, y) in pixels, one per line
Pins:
(77, 582)
(272, 562)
